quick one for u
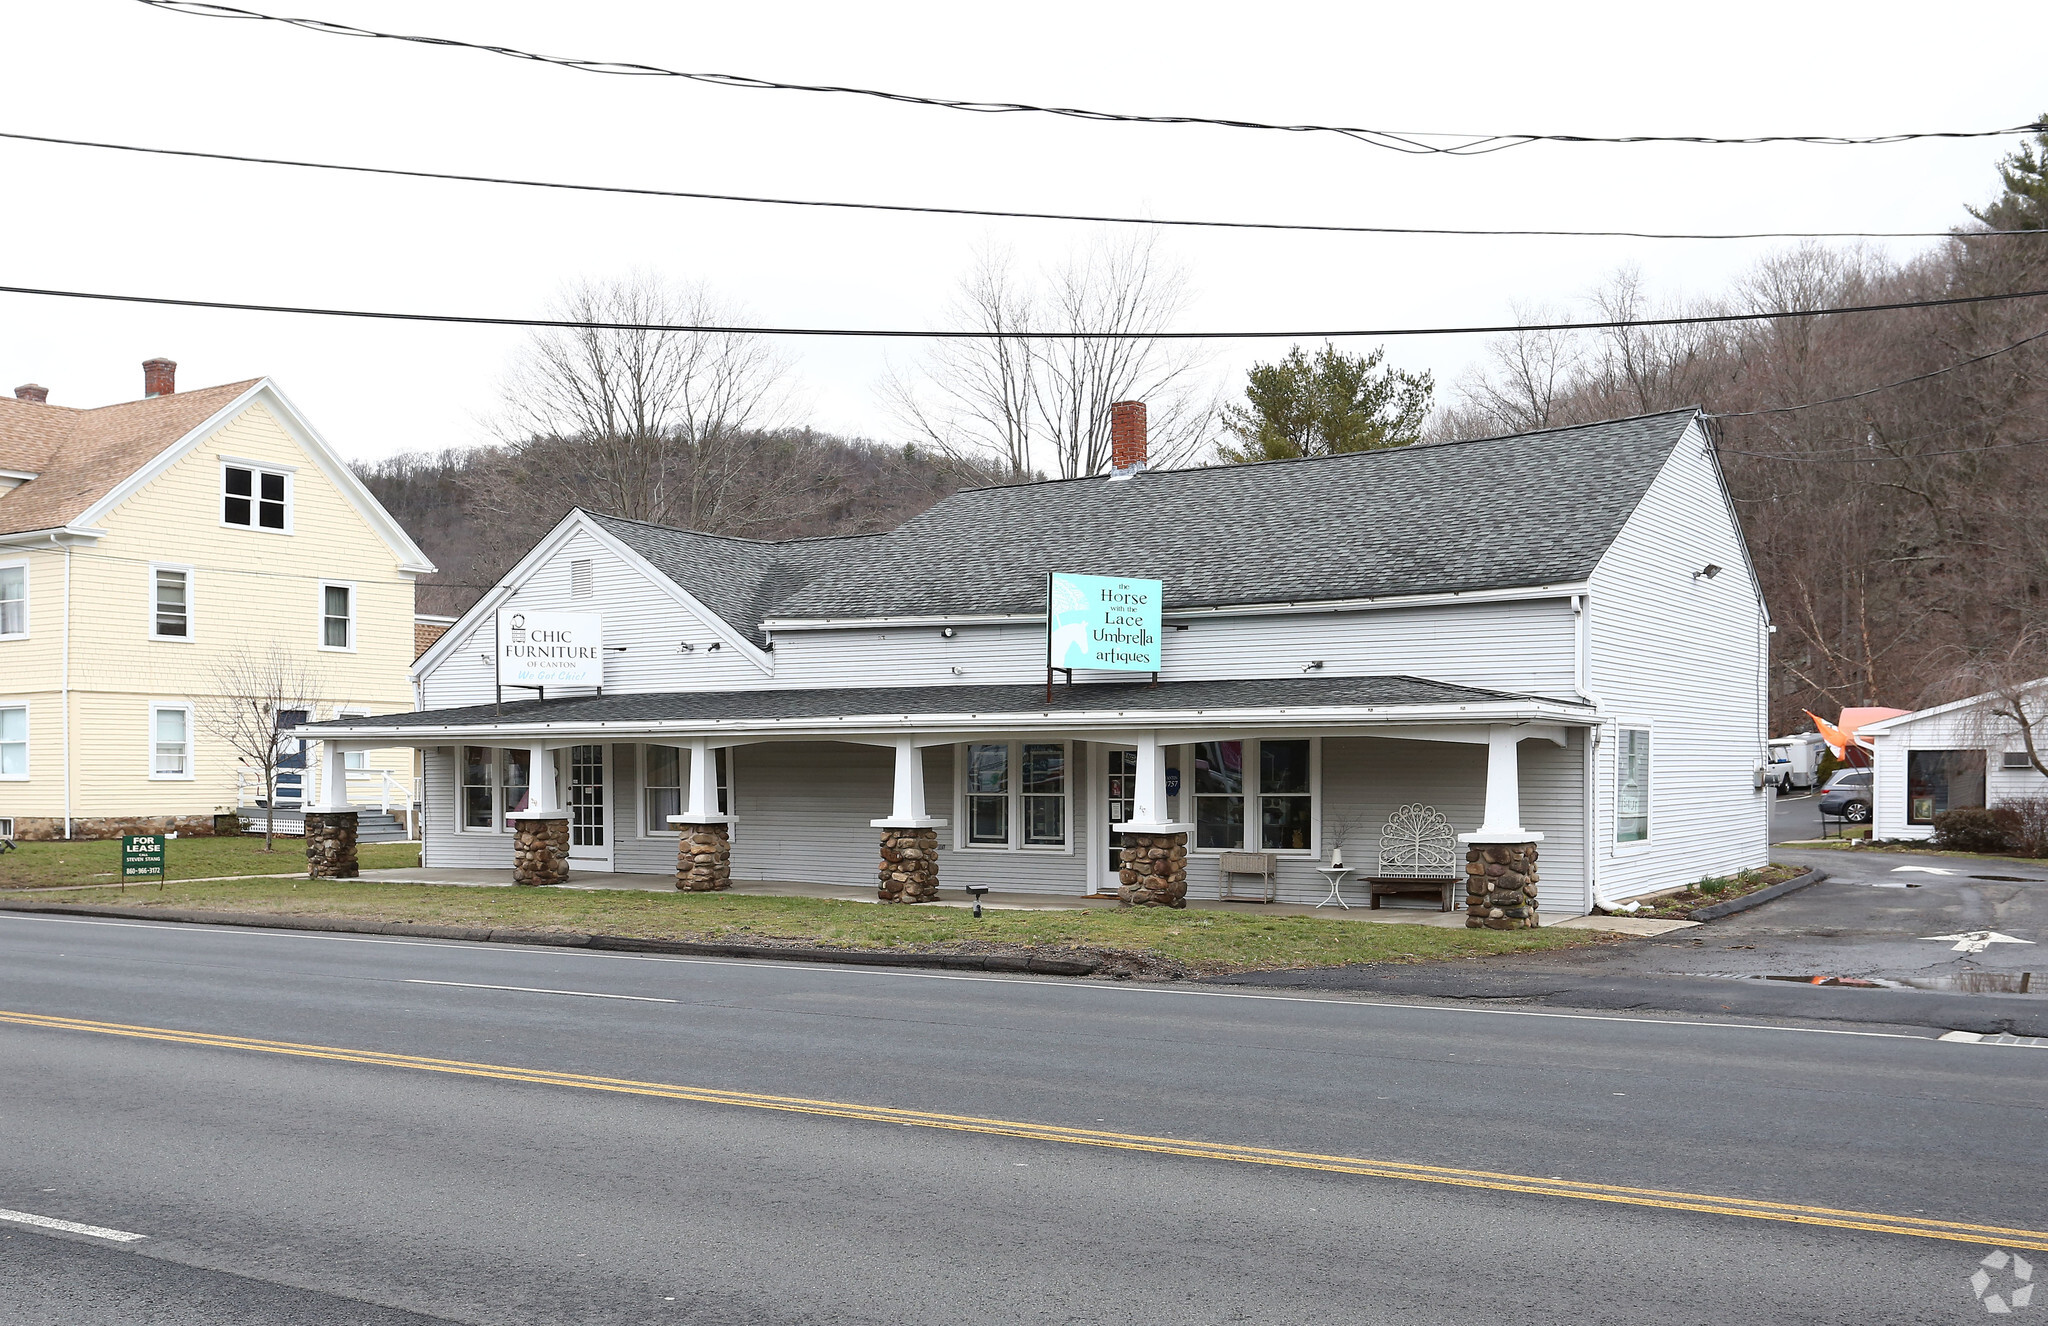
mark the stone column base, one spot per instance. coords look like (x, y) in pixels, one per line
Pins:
(1500, 886)
(331, 844)
(1154, 870)
(704, 858)
(910, 866)
(540, 851)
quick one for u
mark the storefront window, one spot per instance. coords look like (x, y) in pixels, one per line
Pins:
(988, 794)
(664, 782)
(1284, 812)
(1219, 794)
(477, 766)
(1045, 795)
(518, 780)
(1938, 780)
(1632, 786)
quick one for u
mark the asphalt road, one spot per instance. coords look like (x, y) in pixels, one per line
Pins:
(282, 1184)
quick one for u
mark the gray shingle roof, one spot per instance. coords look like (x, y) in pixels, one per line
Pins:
(893, 701)
(1493, 513)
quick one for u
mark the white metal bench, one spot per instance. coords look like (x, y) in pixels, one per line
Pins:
(1264, 866)
(1418, 854)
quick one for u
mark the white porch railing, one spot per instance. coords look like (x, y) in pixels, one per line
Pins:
(294, 789)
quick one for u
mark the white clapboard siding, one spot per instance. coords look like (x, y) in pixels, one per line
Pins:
(640, 612)
(802, 811)
(1523, 646)
(441, 843)
(1685, 657)
(1957, 729)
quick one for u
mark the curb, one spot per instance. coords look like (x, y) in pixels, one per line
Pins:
(987, 962)
(1716, 911)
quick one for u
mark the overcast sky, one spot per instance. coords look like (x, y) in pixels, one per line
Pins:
(117, 70)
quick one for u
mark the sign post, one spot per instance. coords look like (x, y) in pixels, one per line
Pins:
(1101, 623)
(142, 855)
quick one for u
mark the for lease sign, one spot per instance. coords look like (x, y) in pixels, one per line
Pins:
(1110, 623)
(550, 648)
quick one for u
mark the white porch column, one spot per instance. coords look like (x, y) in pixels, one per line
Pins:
(1500, 858)
(908, 811)
(540, 773)
(1503, 821)
(1148, 801)
(704, 853)
(334, 776)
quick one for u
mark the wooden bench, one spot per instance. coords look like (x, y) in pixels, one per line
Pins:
(1265, 866)
(1418, 854)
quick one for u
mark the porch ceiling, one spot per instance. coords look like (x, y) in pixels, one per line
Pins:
(1279, 701)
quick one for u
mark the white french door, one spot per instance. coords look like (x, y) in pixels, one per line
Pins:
(589, 803)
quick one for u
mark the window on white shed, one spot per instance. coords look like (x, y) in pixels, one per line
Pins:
(13, 600)
(1632, 786)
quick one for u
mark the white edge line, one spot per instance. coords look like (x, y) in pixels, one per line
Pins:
(836, 969)
(70, 1226)
(532, 989)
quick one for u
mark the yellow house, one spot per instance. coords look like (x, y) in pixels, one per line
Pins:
(151, 550)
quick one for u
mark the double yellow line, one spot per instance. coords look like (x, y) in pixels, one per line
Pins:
(1874, 1222)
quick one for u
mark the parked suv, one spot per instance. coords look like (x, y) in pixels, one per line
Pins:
(1847, 794)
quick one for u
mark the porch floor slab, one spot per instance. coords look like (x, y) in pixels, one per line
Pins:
(995, 901)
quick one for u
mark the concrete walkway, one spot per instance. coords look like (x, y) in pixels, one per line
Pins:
(1390, 912)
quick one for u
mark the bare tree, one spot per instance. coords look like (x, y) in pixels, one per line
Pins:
(649, 425)
(2008, 691)
(253, 690)
(1042, 404)
(1524, 379)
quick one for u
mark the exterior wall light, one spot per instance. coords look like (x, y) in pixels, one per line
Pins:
(1316, 666)
(947, 633)
(686, 648)
(716, 645)
(1707, 572)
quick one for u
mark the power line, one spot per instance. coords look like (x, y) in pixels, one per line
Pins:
(1840, 456)
(1004, 214)
(1872, 391)
(579, 324)
(1412, 142)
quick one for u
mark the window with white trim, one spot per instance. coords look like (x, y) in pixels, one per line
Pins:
(1262, 787)
(170, 741)
(515, 783)
(492, 784)
(477, 775)
(337, 616)
(14, 742)
(14, 600)
(170, 603)
(665, 783)
(1014, 794)
(255, 498)
(1632, 785)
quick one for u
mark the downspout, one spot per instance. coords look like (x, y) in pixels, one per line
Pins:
(1582, 679)
(64, 682)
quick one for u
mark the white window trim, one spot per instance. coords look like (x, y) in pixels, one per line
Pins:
(28, 751)
(257, 468)
(501, 757)
(1015, 795)
(26, 598)
(191, 742)
(1251, 794)
(1649, 839)
(355, 614)
(191, 623)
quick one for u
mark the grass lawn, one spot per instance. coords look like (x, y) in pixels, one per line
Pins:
(48, 865)
(1917, 847)
(1202, 943)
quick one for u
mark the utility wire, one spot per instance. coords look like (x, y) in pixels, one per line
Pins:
(1006, 214)
(1838, 456)
(578, 324)
(1872, 391)
(1402, 141)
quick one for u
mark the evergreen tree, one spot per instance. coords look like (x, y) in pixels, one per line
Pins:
(2024, 205)
(1332, 403)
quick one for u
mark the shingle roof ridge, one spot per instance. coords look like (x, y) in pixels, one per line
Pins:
(1240, 466)
(233, 388)
(730, 538)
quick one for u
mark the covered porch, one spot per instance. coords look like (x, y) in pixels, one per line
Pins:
(1111, 794)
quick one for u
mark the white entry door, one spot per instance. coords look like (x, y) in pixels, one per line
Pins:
(589, 803)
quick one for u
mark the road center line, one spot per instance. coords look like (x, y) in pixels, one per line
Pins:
(70, 1226)
(532, 989)
(1114, 990)
(1710, 1204)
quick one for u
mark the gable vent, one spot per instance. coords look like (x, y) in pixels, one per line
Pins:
(582, 579)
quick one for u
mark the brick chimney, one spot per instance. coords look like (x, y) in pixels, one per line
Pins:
(159, 378)
(33, 394)
(1126, 438)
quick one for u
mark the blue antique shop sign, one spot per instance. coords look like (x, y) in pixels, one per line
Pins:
(1109, 623)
